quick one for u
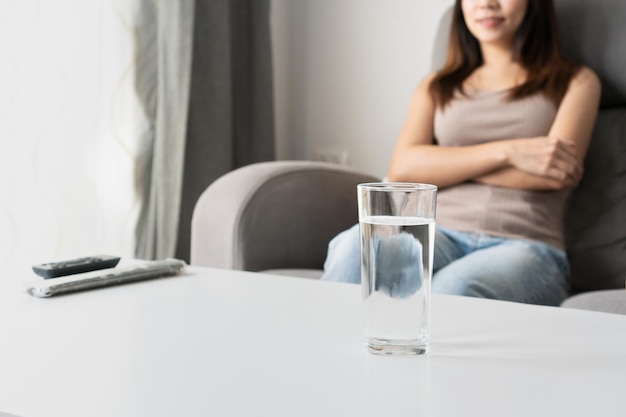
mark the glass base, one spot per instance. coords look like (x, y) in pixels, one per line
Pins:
(396, 347)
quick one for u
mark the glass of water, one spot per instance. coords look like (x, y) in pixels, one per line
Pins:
(397, 224)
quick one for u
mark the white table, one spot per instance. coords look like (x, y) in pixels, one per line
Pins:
(226, 343)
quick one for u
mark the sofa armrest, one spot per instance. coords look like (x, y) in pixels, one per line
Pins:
(274, 215)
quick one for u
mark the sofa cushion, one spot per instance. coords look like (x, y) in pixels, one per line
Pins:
(607, 301)
(592, 32)
(595, 222)
(299, 273)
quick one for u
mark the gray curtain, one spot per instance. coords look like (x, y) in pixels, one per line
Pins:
(212, 108)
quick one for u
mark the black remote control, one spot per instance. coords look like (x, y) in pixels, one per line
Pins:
(75, 266)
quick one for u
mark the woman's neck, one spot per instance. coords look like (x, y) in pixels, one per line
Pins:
(497, 56)
(499, 71)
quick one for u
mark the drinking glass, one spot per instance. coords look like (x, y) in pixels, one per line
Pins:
(397, 231)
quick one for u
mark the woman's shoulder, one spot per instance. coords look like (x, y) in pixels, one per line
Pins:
(585, 77)
(425, 83)
(422, 93)
(584, 87)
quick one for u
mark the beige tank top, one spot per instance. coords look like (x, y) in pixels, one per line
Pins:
(484, 117)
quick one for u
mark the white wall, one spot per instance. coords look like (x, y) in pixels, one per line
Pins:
(345, 71)
(69, 123)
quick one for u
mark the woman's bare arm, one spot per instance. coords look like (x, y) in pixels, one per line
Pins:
(417, 159)
(571, 131)
(547, 163)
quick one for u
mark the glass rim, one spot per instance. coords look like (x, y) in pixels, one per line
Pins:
(397, 186)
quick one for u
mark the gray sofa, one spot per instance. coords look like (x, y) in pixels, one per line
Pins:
(275, 216)
(279, 216)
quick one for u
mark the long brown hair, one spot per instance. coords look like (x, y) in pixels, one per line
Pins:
(536, 48)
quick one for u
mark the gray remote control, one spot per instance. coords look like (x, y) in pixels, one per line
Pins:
(76, 266)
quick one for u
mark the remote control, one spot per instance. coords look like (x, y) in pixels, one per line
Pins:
(75, 266)
(133, 273)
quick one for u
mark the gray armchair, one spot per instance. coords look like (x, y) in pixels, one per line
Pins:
(281, 215)
(276, 216)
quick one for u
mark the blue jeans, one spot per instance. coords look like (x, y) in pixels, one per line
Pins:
(473, 264)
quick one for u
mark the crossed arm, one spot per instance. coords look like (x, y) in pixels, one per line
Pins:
(542, 163)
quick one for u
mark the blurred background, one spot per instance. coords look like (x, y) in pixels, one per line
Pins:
(75, 136)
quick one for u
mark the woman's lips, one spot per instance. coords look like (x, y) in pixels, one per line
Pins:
(490, 22)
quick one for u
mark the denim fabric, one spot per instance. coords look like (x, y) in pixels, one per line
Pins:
(472, 264)
(399, 268)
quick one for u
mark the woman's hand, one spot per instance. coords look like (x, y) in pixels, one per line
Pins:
(547, 157)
